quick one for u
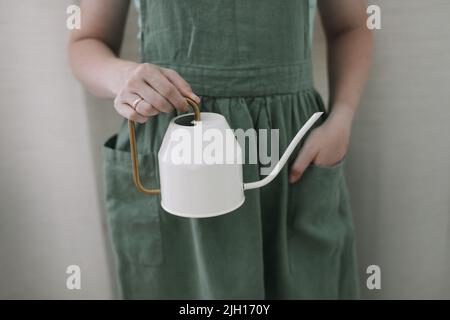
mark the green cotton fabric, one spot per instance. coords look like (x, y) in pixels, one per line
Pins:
(251, 62)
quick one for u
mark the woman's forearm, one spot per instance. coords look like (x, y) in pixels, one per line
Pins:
(349, 60)
(98, 68)
(139, 90)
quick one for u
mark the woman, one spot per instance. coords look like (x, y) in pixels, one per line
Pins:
(251, 62)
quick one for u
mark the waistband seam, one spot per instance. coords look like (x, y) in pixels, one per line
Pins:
(245, 81)
(303, 63)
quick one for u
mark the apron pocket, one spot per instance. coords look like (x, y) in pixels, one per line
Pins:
(315, 198)
(133, 217)
(317, 229)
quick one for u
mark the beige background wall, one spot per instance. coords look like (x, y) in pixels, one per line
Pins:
(49, 209)
(51, 212)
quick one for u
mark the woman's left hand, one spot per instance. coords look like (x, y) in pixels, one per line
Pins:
(325, 146)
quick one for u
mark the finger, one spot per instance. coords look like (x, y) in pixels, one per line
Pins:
(126, 111)
(304, 158)
(152, 97)
(147, 109)
(142, 106)
(156, 100)
(180, 84)
(165, 88)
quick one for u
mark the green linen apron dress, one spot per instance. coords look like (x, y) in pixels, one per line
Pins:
(249, 60)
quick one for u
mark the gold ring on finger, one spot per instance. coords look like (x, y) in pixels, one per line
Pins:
(136, 102)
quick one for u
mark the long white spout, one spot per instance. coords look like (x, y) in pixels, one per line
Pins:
(287, 153)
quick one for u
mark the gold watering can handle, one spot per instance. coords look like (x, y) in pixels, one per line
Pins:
(134, 153)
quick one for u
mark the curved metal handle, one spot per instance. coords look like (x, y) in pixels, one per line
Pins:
(134, 153)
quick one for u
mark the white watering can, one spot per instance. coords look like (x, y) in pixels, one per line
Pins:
(200, 190)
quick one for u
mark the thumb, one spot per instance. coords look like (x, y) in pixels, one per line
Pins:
(304, 158)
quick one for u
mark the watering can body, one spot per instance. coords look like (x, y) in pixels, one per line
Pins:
(197, 187)
(193, 184)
